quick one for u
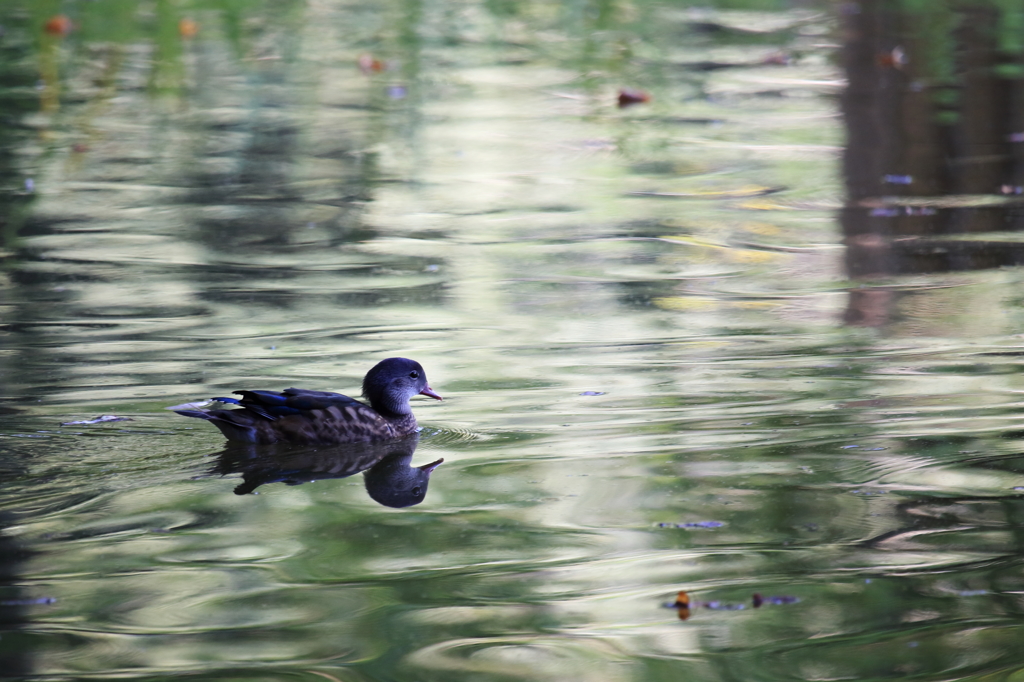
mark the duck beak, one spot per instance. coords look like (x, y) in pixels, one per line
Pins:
(430, 392)
(427, 468)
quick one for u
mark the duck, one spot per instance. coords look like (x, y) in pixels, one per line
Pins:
(305, 417)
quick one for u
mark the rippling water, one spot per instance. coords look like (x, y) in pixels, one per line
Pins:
(663, 370)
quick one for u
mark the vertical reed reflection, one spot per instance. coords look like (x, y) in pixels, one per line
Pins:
(15, 656)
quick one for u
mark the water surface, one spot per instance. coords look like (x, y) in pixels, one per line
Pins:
(714, 342)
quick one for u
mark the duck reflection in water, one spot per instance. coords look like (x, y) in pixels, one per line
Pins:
(387, 472)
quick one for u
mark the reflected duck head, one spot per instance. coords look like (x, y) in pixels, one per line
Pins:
(393, 483)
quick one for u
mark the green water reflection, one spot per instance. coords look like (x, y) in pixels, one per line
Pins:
(757, 332)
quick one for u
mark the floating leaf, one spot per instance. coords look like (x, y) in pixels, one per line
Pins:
(188, 28)
(630, 96)
(58, 25)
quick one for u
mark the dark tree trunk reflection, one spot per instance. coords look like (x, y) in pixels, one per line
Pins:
(935, 130)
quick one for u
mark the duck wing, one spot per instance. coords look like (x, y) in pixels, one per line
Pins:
(301, 416)
(296, 401)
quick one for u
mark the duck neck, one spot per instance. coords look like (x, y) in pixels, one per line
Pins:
(389, 407)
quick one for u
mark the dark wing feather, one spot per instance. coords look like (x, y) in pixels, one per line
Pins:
(319, 400)
(292, 401)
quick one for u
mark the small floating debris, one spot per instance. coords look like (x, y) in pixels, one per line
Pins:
(98, 420)
(778, 58)
(188, 28)
(774, 600)
(895, 58)
(898, 179)
(592, 393)
(693, 524)
(895, 211)
(58, 25)
(369, 64)
(684, 604)
(29, 602)
(630, 96)
(681, 605)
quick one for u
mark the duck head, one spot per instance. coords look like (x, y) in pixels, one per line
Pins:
(392, 382)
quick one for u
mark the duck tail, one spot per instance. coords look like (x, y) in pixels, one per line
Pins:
(199, 414)
(234, 424)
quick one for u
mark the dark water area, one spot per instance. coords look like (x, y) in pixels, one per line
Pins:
(723, 301)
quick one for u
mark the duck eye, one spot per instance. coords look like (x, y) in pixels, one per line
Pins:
(416, 490)
(414, 374)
